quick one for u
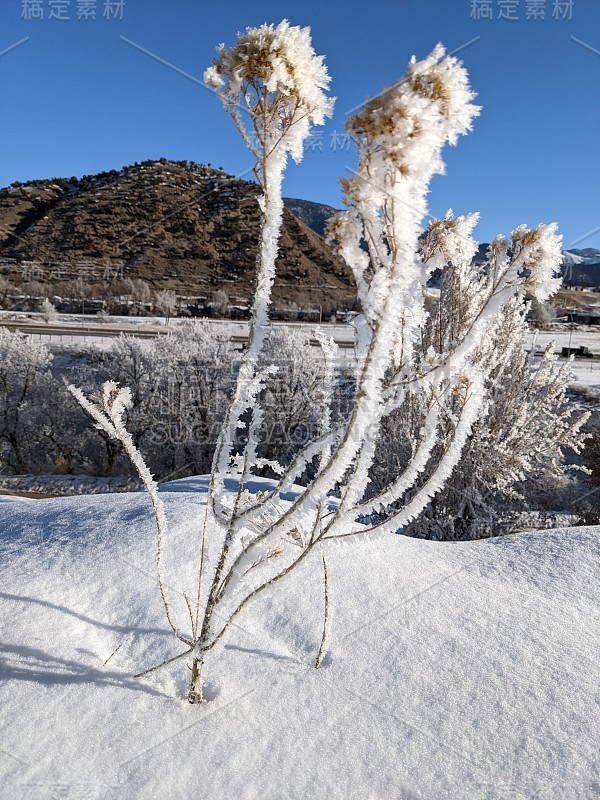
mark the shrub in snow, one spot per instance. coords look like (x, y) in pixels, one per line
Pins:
(25, 398)
(166, 302)
(197, 367)
(49, 313)
(272, 84)
(180, 384)
(515, 451)
(293, 394)
(180, 388)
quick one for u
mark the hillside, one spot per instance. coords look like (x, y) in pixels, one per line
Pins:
(581, 267)
(315, 215)
(182, 226)
(463, 671)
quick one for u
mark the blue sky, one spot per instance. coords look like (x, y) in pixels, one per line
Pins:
(77, 98)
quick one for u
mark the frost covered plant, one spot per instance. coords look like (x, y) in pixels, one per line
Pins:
(540, 253)
(109, 411)
(274, 75)
(49, 313)
(250, 540)
(273, 85)
(515, 449)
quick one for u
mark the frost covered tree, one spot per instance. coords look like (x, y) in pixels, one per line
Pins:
(6, 288)
(49, 313)
(132, 364)
(541, 314)
(180, 387)
(293, 394)
(41, 431)
(79, 291)
(180, 384)
(517, 445)
(591, 503)
(166, 302)
(197, 366)
(136, 293)
(273, 85)
(27, 404)
(220, 303)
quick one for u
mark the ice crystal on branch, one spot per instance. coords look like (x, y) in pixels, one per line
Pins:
(540, 252)
(274, 73)
(403, 129)
(449, 239)
(399, 136)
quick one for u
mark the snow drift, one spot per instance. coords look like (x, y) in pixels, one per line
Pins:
(454, 670)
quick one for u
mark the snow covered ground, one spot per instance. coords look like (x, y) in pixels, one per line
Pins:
(86, 331)
(582, 336)
(455, 671)
(586, 372)
(60, 485)
(586, 379)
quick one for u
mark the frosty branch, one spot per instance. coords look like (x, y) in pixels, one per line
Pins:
(258, 538)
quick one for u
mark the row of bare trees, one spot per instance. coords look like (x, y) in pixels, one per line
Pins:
(181, 384)
(129, 296)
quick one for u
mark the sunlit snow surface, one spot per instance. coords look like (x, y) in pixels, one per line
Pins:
(454, 671)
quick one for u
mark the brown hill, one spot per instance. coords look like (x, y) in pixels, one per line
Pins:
(175, 225)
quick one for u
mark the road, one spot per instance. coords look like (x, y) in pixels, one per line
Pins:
(102, 334)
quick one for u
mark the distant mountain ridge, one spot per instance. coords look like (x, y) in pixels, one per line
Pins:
(579, 267)
(175, 225)
(183, 226)
(315, 215)
(587, 256)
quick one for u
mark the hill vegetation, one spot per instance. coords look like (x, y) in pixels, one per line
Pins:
(179, 226)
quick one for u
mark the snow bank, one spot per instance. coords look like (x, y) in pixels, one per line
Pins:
(60, 485)
(454, 670)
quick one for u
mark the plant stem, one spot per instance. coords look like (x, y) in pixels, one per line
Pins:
(325, 637)
(195, 693)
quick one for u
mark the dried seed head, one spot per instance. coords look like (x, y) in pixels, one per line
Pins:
(540, 253)
(410, 120)
(274, 72)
